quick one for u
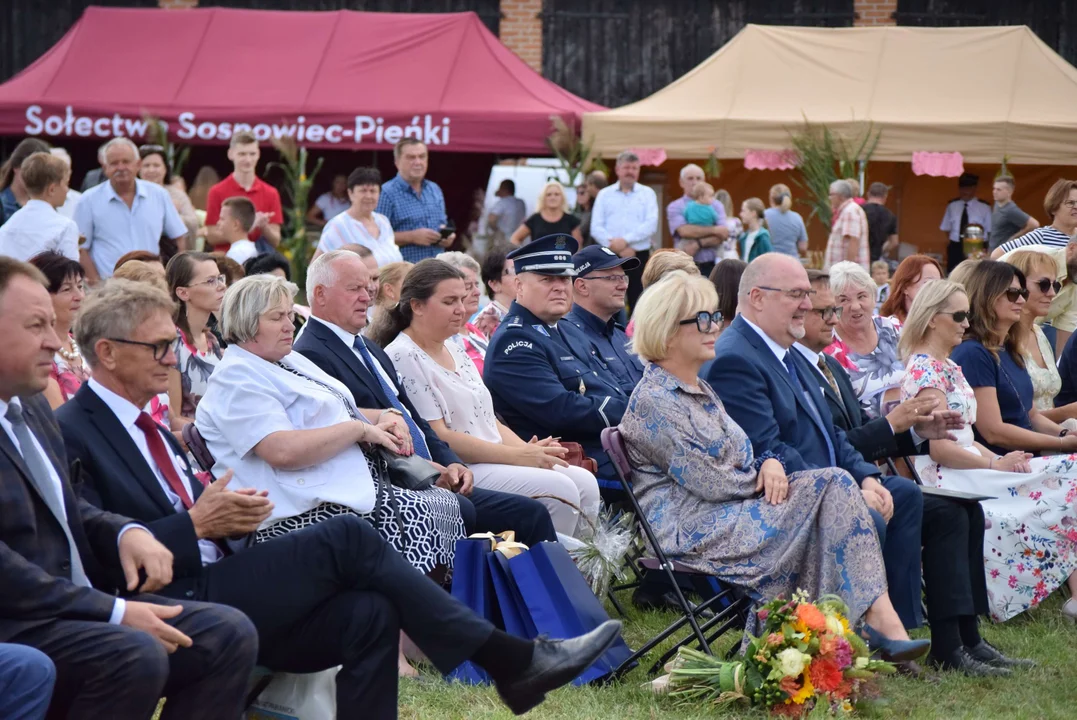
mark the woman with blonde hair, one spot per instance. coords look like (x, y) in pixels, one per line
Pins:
(716, 507)
(787, 232)
(1031, 549)
(1043, 274)
(552, 217)
(755, 240)
(386, 295)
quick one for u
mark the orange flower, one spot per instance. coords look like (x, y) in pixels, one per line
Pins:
(812, 617)
(825, 675)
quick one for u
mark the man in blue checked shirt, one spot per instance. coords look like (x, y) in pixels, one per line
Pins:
(414, 205)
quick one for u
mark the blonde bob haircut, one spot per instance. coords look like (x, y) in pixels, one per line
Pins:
(665, 261)
(542, 196)
(660, 309)
(246, 301)
(932, 299)
(1028, 261)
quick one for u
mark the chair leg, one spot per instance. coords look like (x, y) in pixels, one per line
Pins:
(616, 604)
(731, 615)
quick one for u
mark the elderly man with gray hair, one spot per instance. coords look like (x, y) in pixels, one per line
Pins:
(625, 217)
(849, 229)
(699, 241)
(124, 214)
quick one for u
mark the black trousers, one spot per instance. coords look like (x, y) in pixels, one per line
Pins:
(635, 280)
(953, 557)
(335, 594)
(117, 672)
(492, 511)
(955, 255)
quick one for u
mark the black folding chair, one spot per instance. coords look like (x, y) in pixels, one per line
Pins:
(734, 606)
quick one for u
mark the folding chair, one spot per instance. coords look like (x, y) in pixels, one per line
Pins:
(734, 608)
(261, 676)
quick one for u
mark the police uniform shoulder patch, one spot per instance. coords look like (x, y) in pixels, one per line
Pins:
(516, 344)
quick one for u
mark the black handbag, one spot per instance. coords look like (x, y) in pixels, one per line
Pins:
(410, 472)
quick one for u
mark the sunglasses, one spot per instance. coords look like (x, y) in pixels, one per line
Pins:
(834, 311)
(1013, 293)
(960, 316)
(704, 321)
(1046, 284)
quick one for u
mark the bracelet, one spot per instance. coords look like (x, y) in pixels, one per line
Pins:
(392, 411)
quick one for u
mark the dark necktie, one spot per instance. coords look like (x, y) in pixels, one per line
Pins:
(161, 457)
(417, 439)
(964, 221)
(825, 369)
(795, 375)
(49, 492)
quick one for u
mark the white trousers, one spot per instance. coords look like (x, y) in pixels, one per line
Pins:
(571, 483)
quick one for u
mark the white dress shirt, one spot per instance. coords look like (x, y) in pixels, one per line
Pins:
(70, 203)
(119, 606)
(979, 214)
(248, 399)
(127, 413)
(631, 215)
(35, 228)
(778, 350)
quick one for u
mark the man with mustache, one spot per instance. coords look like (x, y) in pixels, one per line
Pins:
(769, 390)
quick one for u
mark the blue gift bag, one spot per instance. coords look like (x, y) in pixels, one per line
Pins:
(561, 604)
(514, 613)
(471, 585)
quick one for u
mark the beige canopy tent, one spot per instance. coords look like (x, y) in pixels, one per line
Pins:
(986, 92)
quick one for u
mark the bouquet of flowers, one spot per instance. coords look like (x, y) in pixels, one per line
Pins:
(806, 663)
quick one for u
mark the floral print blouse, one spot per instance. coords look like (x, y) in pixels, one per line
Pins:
(874, 373)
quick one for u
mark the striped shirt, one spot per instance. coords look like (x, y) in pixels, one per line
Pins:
(1046, 235)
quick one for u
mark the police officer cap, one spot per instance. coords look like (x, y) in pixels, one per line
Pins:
(597, 257)
(550, 255)
(968, 180)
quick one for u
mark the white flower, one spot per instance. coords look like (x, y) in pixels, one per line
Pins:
(834, 626)
(861, 663)
(791, 662)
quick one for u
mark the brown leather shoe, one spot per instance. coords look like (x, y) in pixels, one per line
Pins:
(915, 670)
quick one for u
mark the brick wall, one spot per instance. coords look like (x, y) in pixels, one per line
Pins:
(177, 4)
(870, 12)
(521, 29)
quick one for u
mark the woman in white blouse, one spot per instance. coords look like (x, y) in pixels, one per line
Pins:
(359, 224)
(448, 392)
(284, 425)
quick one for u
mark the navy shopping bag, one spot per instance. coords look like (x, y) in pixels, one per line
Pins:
(471, 585)
(561, 604)
(515, 616)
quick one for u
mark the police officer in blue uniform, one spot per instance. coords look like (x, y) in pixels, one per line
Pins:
(540, 387)
(591, 327)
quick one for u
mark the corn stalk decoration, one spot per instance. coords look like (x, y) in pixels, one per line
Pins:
(572, 152)
(823, 158)
(156, 134)
(294, 243)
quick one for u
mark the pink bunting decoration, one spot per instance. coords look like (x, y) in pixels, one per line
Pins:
(650, 156)
(770, 159)
(938, 164)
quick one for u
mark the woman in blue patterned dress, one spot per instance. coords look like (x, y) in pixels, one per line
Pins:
(715, 507)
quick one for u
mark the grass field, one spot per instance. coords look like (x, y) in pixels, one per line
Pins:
(1048, 691)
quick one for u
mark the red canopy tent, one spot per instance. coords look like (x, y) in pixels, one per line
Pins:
(345, 80)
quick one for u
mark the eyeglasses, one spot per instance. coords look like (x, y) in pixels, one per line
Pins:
(1013, 293)
(1046, 284)
(159, 349)
(704, 320)
(960, 316)
(615, 279)
(212, 282)
(834, 311)
(794, 294)
(1070, 203)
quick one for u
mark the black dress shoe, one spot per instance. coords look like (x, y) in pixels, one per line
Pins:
(985, 652)
(960, 661)
(555, 663)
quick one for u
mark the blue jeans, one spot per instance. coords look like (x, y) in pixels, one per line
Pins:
(26, 680)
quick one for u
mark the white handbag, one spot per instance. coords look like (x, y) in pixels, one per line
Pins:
(310, 696)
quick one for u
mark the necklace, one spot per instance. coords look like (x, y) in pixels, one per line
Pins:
(72, 354)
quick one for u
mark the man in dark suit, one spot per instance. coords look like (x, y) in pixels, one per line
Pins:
(332, 594)
(953, 532)
(336, 288)
(768, 391)
(63, 561)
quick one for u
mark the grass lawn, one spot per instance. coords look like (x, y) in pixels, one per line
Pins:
(1048, 691)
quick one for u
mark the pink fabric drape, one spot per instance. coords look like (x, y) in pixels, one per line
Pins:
(938, 164)
(770, 159)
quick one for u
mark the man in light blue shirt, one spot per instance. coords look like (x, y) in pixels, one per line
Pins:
(123, 214)
(625, 217)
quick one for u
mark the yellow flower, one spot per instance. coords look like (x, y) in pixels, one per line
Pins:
(302, 177)
(806, 691)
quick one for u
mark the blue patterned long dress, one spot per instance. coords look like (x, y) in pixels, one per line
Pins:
(695, 476)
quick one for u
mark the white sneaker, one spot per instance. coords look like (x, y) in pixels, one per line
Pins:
(1069, 610)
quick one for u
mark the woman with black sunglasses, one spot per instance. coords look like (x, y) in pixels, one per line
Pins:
(1030, 550)
(1042, 271)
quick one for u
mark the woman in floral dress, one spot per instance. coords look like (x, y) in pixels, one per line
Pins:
(866, 346)
(197, 286)
(1031, 548)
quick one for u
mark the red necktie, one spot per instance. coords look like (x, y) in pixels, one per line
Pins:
(162, 458)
